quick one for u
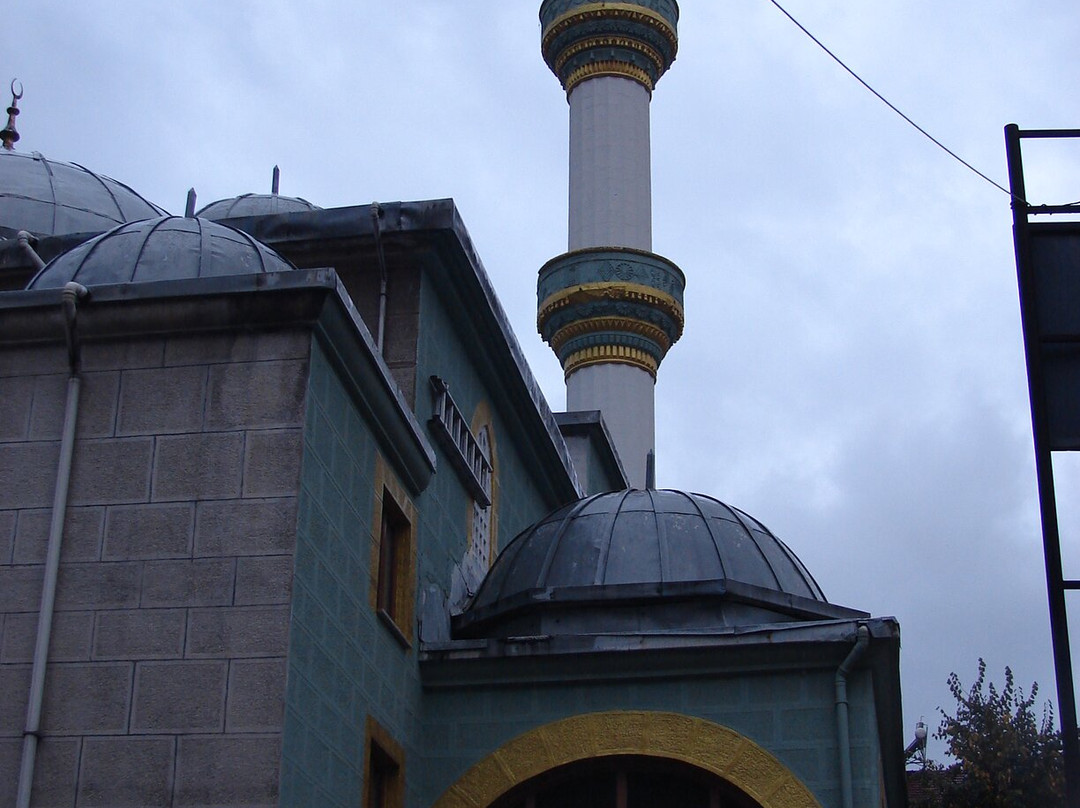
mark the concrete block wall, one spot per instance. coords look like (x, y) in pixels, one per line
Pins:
(167, 659)
(789, 713)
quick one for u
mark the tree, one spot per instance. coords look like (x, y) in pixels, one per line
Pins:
(1006, 756)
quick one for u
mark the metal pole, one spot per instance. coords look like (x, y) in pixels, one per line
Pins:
(1055, 586)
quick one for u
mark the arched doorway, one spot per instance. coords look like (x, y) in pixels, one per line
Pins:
(669, 748)
(629, 781)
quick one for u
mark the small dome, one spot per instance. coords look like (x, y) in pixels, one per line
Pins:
(643, 560)
(50, 198)
(255, 205)
(165, 248)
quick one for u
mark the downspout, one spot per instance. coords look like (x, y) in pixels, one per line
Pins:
(842, 731)
(24, 239)
(69, 302)
(376, 211)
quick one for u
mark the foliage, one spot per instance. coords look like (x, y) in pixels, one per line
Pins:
(1006, 756)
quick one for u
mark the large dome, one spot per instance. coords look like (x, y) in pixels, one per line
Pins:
(643, 561)
(49, 198)
(166, 248)
(255, 205)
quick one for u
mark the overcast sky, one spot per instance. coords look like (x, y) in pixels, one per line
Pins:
(852, 369)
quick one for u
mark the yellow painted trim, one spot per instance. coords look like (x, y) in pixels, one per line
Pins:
(711, 747)
(598, 324)
(634, 12)
(606, 42)
(375, 733)
(611, 290)
(610, 355)
(610, 67)
(482, 418)
(405, 583)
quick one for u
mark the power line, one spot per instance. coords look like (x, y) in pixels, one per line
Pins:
(887, 103)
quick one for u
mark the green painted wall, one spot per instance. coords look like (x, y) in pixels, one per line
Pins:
(445, 505)
(789, 713)
(343, 662)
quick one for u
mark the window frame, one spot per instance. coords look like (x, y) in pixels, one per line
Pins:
(393, 555)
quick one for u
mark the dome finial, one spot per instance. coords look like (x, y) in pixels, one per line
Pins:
(9, 135)
(276, 181)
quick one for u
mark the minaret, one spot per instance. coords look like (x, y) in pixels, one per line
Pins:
(610, 308)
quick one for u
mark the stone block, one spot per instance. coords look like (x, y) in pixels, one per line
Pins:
(27, 360)
(97, 406)
(16, 397)
(256, 696)
(98, 586)
(254, 395)
(128, 771)
(81, 537)
(201, 466)
(239, 631)
(205, 582)
(55, 771)
(149, 531)
(113, 471)
(272, 463)
(237, 347)
(248, 527)
(20, 589)
(69, 638)
(8, 520)
(14, 691)
(123, 354)
(230, 770)
(178, 697)
(139, 634)
(28, 474)
(158, 401)
(263, 580)
(87, 698)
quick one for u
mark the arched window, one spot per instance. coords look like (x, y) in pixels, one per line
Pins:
(626, 782)
(480, 540)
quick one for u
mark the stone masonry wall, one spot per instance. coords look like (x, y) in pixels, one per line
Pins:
(166, 673)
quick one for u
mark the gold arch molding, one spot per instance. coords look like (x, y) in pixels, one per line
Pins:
(708, 746)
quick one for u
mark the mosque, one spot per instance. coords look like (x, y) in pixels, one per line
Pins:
(285, 518)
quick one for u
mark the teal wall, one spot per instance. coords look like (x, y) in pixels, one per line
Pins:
(445, 505)
(343, 662)
(789, 713)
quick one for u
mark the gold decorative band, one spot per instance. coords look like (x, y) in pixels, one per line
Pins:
(612, 291)
(611, 11)
(608, 42)
(610, 354)
(612, 67)
(595, 325)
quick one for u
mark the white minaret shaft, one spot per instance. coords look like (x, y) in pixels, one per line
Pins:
(609, 307)
(610, 165)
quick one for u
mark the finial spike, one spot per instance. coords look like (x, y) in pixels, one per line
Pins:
(650, 470)
(9, 135)
(189, 210)
(276, 181)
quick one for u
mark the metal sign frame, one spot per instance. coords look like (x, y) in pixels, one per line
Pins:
(1045, 339)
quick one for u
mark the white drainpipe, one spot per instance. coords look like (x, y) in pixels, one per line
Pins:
(71, 294)
(842, 731)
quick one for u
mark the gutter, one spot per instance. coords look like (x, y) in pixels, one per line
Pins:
(69, 302)
(843, 736)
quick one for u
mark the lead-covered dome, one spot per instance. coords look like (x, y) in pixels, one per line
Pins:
(165, 248)
(255, 205)
(51, 198)
(643, 561)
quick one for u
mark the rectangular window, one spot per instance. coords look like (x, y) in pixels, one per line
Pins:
(384, 769)
(392, 588)
(393, 539)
